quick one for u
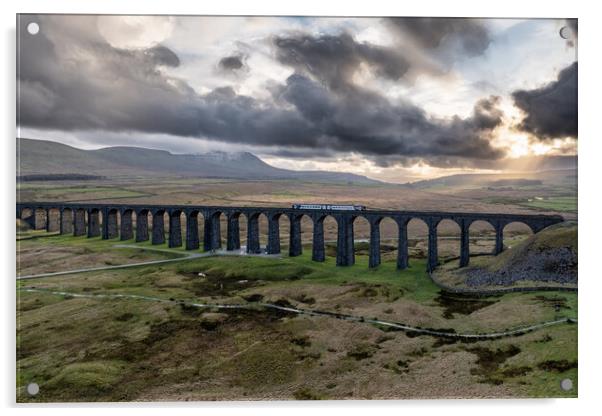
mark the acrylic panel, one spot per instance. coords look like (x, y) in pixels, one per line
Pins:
(295, 208)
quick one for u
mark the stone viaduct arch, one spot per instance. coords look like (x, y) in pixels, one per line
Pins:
(449, 232)
(112, 221)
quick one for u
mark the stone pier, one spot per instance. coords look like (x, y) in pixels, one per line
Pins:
(192, 231)
(66, 221)
(48, 223)
(93, 222)
(253, 246)
(402, 244)
(142, 225)
(374, 255)
(216, 232)
(499, 238)
(127, 225)
(109, 224)
(175, 229)
(345, 241)
(464, 243)
(433, 256)
(318, 252)
(233, 242)
(79, 222)
(295, 247)
(158, 228)
(273, 246)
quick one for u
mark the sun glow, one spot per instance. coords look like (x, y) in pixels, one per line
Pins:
(519, 146)
(541, 148)
(421, 170)
(523, 145)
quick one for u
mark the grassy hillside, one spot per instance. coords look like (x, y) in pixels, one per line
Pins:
(503, 181)
(547, 258)
(100, 349)
(44, 157)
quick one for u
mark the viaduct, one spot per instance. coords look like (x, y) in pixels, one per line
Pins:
(112, 221)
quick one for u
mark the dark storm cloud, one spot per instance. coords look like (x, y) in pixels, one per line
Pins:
(432, 32)
(334, 59)
(86, 84)
(303, 153)
(551, 111)
(364, 122)
(356, 119)
(105, 88)
(163, 56)
(486, 113)
(231, 63)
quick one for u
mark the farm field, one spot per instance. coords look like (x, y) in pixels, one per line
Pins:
(560, 203)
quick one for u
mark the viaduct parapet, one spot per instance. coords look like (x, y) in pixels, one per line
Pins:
(117, 221)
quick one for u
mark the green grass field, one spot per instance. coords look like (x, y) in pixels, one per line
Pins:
(556, 203)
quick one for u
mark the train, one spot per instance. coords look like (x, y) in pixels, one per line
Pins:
(330, 207)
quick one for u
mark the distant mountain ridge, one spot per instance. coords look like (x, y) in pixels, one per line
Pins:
(565, 177)
(41, 157)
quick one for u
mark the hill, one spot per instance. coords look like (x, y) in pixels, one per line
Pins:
(39, 157)
(548, 258)
(559, 177)
(534, 171)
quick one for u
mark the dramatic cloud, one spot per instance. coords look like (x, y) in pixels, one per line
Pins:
(105, 88)
(551, 111)
(134, 31)
(90, 85)
(436, 32)
(354, 118)
(363, 122)
(334, 60)
(160, 55)
(303, 153)
(232, 63)
(486, 113)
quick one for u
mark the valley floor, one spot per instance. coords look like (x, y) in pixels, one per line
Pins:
(124, 349)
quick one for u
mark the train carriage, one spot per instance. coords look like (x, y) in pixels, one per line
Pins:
(330, 207)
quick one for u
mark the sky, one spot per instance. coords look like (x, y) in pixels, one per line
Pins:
(396, 99)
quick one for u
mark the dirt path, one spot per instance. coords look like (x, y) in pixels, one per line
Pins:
(270, 306)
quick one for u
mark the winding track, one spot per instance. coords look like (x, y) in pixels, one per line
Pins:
(270, 306)
(259, 305)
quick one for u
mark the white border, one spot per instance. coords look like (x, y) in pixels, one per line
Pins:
(590, 152)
